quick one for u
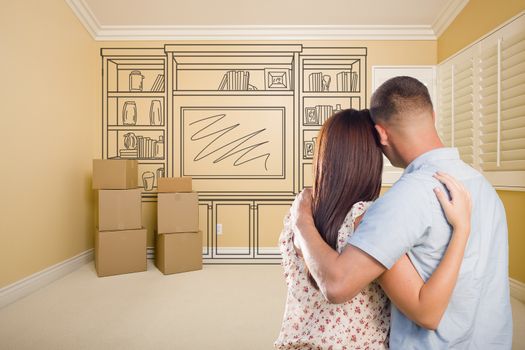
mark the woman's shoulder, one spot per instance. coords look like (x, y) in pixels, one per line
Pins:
(348, 226)
(358, 209)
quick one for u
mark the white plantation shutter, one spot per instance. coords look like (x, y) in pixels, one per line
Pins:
(482, 104)
(503, 104)
(463, 115)
(444, 108)
(489, 106)
(512, 138)
(456, 105)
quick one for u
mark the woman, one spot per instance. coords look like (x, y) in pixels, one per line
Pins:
(347, 178)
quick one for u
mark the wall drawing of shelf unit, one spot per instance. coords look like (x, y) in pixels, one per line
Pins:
(233, 109)
(134, 110)
(241, 119)
(333, 78)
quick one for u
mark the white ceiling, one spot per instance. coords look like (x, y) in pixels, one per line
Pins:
(158, 19)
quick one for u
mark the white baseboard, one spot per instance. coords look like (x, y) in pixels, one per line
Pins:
(150, 252)
(30, 284)
(517, 289)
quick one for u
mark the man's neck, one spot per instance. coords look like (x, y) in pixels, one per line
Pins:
(416, 149)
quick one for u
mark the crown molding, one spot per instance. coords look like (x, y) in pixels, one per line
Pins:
(317, 32)
(447, 15)
(86, 16)
(102, 32)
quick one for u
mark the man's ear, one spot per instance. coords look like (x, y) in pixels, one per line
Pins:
(383, 136)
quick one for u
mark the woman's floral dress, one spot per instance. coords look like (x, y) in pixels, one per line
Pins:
(311, 322)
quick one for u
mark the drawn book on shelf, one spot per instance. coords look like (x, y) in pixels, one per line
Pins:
(236, 81)
(347, 81)
(319, 82)
(158, 85)
(146, 148)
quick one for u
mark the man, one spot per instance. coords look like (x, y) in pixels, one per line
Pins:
(409, 220)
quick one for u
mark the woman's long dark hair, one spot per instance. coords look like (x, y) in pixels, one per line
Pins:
(347, 169)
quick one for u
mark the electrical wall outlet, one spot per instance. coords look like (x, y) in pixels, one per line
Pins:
(219, 229)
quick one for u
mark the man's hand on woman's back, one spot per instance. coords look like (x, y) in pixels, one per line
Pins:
(301, 215)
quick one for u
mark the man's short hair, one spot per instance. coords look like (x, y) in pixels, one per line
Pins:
(399, 96)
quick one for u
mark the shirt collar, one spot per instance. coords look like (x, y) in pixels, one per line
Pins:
(443, 153)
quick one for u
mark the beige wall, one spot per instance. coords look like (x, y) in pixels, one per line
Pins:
(477, 19)
(50, 107)
(514, 203)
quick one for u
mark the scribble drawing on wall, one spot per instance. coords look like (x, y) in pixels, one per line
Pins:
(231, 149)
(249, 141)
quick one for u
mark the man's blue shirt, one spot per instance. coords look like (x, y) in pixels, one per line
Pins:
(408, 219)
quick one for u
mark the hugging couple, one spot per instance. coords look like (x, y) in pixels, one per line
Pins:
(423, 267)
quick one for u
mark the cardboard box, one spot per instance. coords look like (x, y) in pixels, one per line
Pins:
(119, 209)
(177, 212)
(178, 252)
(174, 184)
(118, 252)
(115, 174)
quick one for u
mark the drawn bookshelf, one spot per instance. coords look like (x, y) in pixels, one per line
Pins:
(332, 79)
(241, 120)
(134, 110)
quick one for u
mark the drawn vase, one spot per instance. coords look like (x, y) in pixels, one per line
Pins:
(135, 81)
(129, 113)
(148, 179)
(130, 141)
(326, 82)
(159, 148)
(155, 113)
(160, 173)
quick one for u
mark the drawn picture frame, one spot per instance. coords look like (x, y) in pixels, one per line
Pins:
(311, 117)
(308, 149)
(207, 158)
(276, 79)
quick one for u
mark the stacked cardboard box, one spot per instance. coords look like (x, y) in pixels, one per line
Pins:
(120, 239)
(178, 245)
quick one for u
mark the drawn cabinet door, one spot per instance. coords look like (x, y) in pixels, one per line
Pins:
(233, 229)
(205, 225)
(269, 224)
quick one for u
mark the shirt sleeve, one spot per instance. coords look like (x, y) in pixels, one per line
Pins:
(395, 222)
